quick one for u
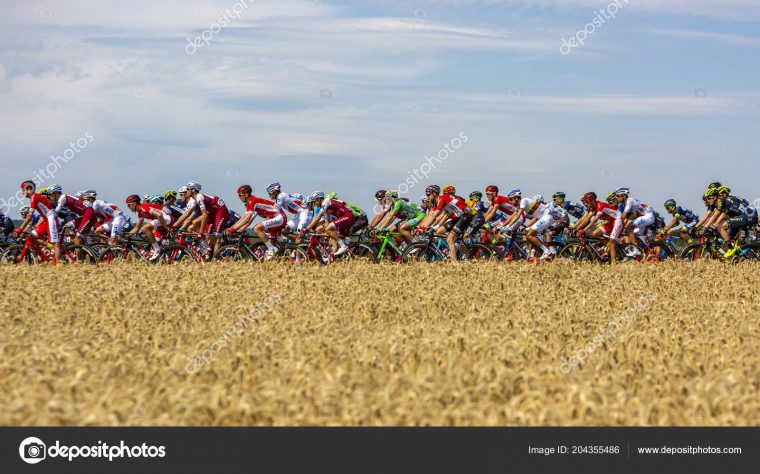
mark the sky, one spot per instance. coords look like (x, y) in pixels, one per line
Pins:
(662, 96)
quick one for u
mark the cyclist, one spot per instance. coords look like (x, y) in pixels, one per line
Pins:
(637, 217)
(539, 216)
(410, 215)
(360, 216)
(683, 219)
(340, 218)
(274, 218)
(113, 220)
(25, 211)
(599, 211)
(171, 204)
(158, 223)
(380, 204)
(572, 209)
(509, 205)
(85, 219)
(6, 226)
(730, 216)
(478, 209)
(286, 202)
(449, 217)
(48, 222)
(213, 215)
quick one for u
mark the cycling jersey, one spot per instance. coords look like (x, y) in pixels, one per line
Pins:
(285, 202)
(634, 207)
(343, 217)
(263, 207)
(42, 205)
(504, 205)
(105, 210)
(685, 215)
(77, 206)
(406, 211)
(144, 212)
(452, 205)
(534, 209)
(207, 203)
(606, 212)
(733, 206)
(574, 209)
(175, 210)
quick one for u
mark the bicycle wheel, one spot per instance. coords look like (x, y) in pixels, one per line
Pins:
(12, 255)
(477, 252)
(77, 253)
(660, 250)
(749, 251)
(576, 252)
(174, 253)
(420, 252)
(698, 251)
(118, 254)
(361, 251)
(231, 253)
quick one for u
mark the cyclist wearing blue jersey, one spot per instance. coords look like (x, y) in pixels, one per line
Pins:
(683, 219)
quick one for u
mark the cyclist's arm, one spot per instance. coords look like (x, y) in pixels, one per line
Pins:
(184, 217)
(531, 222)
(490, 213)
(243, 222)
(377, 218)
(26, 222)
(388, 220)
(137, 227)
(158, 215)
(314, 222)
(430, 218)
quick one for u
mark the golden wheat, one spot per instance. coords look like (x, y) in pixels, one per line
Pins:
(361, 344)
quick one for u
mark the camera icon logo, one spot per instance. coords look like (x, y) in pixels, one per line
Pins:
(32, 450)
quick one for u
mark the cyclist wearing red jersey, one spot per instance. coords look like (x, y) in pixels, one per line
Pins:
(47, 226)
(213, 214)
(340, 219)
(287, 202)
(112, 220)
(83, 210)
(509, 205)
(159, 222)
(274, 218)
(600, 211)
(450, 217)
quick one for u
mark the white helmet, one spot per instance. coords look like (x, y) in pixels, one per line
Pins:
(194, 185)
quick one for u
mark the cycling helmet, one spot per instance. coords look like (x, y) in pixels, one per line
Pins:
(315, 196)
(28, 182)
(133, 199)
(449, 189)
(670, 203)
(559, 195)
(170, 194)
(297, 197)
(54, 188)
(405, 199)
(433, 189)
(515, 193)
(711, 192)
(332, 195)
(611, 198)
(245, 189)
(424, 200)
(89, 194)
(589, 197)
(146, 197)
(182, 190)
(538, 198)
(43, 191)
(724, 190)
(273, 188)
(24, 210)
(79, 194)
(476, 194)
(622, 191)
(492, 189)
(391, 195)
(194, 185)
(155, 199)
(380, 195)
(714, 185)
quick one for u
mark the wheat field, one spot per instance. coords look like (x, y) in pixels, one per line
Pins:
(359, 344)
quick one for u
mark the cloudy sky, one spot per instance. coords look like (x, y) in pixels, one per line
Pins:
(351, 96)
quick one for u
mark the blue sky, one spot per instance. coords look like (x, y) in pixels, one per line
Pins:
(351, 96)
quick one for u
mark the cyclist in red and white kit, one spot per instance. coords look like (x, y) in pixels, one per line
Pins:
(339, 219)
(272, 225)
(47, 226)
(509, 205)
(600, 211)
(213, 214)
(637, 217)
(112, 220)
(449, 216)
(158, 225)
(286, 202)
(83, 210)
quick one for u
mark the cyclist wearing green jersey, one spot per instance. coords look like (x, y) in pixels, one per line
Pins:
(409, 214)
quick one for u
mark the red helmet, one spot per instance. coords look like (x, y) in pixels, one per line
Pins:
(134, 198)
(492, 189)
(589, 197)
(245, 189)
(28, 182)
(449, 189)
